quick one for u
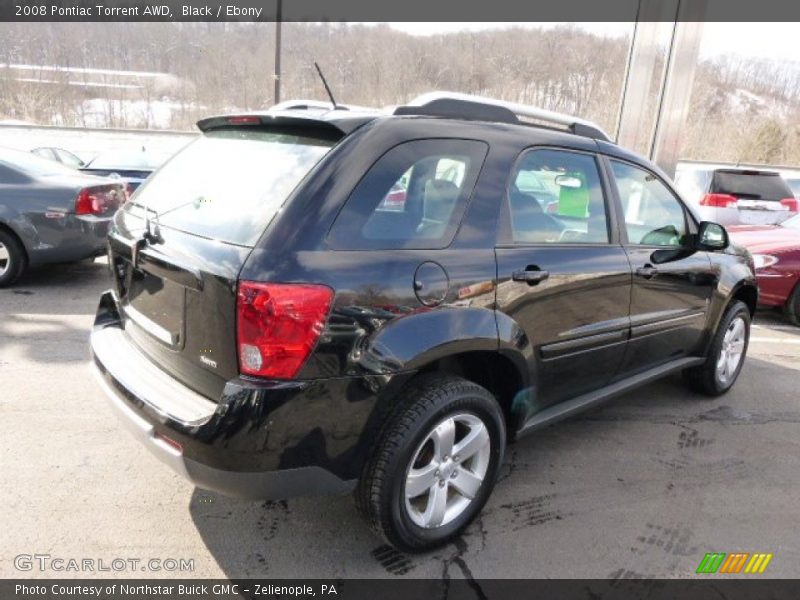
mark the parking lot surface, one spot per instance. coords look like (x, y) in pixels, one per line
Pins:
(642, 487)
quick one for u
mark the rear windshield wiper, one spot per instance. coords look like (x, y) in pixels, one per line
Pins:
(152, 227)
(152, 233)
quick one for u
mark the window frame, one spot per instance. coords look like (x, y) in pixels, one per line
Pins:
(505, 234)
(690, 222)
(457, 217)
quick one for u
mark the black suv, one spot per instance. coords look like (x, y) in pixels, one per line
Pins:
(322, 301)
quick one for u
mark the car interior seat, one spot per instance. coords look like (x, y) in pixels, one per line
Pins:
(440, 198)
(528, 219)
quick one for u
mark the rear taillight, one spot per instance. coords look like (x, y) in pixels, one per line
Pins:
(791, 203)
(278, 326)
(718, 200)
(99, 200)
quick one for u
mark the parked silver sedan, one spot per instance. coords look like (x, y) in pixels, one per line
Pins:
(50, 213)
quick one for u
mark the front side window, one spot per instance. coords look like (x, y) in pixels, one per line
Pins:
(413, 197)
(556, 196)
(653, 215)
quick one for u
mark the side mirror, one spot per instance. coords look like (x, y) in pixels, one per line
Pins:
(712, 236)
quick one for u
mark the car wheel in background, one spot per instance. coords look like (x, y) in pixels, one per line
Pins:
(726, 355)
(792, 307)
(435, 464)
(12, 259)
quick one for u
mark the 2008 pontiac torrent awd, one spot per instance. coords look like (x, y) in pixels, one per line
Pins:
(323, 301)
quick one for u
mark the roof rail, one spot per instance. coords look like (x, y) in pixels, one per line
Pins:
(466, 106)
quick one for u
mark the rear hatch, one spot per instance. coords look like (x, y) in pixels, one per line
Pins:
(178, 245)
(761, 197)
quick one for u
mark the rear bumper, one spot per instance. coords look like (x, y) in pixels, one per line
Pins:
(216, 446)
(79, 237)
(268, 485)
(743, 216)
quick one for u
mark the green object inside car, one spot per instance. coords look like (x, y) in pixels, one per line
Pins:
(574, 201)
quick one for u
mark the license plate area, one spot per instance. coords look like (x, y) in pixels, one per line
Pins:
(760, 216)
(157, 306)
(760, 205)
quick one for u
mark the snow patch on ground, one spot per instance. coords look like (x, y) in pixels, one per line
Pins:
(152, 114)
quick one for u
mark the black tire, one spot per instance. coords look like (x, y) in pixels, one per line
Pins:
(706, 378)
(792, 307)
(10, 271)
(429, 401)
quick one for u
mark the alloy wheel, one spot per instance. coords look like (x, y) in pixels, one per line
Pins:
(5, 259)
(447, 470)
(732, 351)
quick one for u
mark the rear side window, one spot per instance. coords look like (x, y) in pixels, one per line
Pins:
(413, 197)
(555, 197)
(751, 185)
(229, 184)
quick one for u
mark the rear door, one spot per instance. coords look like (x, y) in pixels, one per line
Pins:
(179, 244)
(672, 283)
(563, 276)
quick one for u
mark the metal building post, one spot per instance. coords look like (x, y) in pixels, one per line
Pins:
(651, 34)
(678, 84)
(277, 73)
(671, 29)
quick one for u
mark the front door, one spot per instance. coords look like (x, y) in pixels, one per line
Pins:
(562, 275)
(672, 283)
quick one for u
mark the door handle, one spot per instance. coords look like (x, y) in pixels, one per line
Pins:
(530, 276)
(647, 271)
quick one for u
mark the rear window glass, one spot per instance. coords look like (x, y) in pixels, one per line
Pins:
(229, 184)
(413, 197)
(751, 186)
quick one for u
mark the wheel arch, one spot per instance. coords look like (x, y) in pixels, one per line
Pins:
(745, 292)
(496, 371)
(478, 344)
(6, 228)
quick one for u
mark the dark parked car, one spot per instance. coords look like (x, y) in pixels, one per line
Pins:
(131, 167)
(776, 254)
(65, 157)
(50, 213)
(738, 196)
(275, 330)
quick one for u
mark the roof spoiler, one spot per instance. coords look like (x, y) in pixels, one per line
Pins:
(298, 119)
